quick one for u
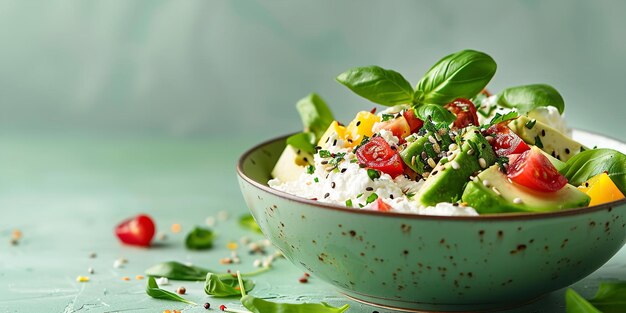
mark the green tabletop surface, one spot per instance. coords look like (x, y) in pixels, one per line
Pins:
(66, 193)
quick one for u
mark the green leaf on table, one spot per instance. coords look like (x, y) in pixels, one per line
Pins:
(589, 163)
(304, 141)
(529, 97)
(435, 113)
(315, 114)
(459, 75)
(378, 85)
(177, 271)
(257, 305)
(153, 290)
(225, 285)
(247, 221)
(611, 297)
(199, 239)
(574, 303)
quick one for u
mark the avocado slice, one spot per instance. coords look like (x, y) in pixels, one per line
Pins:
(411, 154)
(291, 164)
(511, 197)
(545, 137)
(447, 180)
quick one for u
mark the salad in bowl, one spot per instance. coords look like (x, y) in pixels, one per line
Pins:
(446, 147)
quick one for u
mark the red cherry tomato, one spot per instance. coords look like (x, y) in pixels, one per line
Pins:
(377, 154)
(397, 126)
(465, 112)
(533, 170)
(380, 205)
(415, 124)
(136, 231)
(505, 141)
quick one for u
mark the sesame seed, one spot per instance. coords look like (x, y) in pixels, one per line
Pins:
(425, 174)
(334, 142)
(496, 190)
(326, 195)
(437, 136)
(431, 139)
(489, 138)
(358, 123)
(566, 151)
(452, 146)
(434, 173)
(391, 196)
(436, 147)
(518, 201)
(486, 183)
(413, 160)
(332, 185)
(543, 133)
(90, 270)
(482, 163)
(343, 170)
(369, 189)
(431, 162)
(455, 165)
(324, 162)
(470, 152)
(424, 155)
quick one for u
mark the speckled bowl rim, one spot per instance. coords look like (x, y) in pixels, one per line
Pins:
(502, 216)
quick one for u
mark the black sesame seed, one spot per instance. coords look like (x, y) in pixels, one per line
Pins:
(327, 139)
(369, 189)
(318, 148)
(343, 170)
(335, 142)
(390, 196)
(332, 185)
(326, 195)
(324, 162)
(305, 160)
(455, 204)
(349, 140)
(482, 145)
(358, 123)
(433, 173)
(394, 148)
(566, 150)
(543, 133)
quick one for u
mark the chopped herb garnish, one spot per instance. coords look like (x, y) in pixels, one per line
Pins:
(530, 124)
(371, 198)
(499, 118)
(316, 180)
(325, 154)
(373, 174)
(410, 195)
(354, 161)
(359, 195)
(361, 205)
(486, 113)
(365, 140)
(310, 169)
(387, 117)
(538, 142)
(501, 161)
(430, 151)
(349, 203)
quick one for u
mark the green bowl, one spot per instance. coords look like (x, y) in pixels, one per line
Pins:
(434, 263)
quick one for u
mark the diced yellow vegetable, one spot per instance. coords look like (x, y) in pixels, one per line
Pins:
(361, 126)
(334, 127)
(601, 189)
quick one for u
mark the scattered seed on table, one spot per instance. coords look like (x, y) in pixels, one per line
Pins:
(163, 281)
(303, 280)
(207, 305)
(244, 240)
(125, 278)
(139, 277)
(167, 311)
(176, 311)
(82, 279)
(222, 307)
(90, 270)
(222, 215)
(257, 263)
(162, 236)
(92, 255)
(16, 234)
(176, 228)
(181, 290)
(210, 221)
(14, 241)
(232, 246)
(226, 261)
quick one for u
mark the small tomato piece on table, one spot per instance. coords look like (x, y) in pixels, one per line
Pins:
(533, 170)
(378, 155)
(601, 189)
(380, 205)
(415, 124)
(465, 112)
(504, 141)
(136, 231)
(398, 126)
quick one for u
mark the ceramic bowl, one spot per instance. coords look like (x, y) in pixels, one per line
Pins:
(433, 263)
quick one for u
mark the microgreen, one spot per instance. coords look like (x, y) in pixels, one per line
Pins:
(153, 290)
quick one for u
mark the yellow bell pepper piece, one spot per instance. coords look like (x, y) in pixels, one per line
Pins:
(361, 126)
(601, 189)
(334, 127)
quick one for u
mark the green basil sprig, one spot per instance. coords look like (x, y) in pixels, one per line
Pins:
(153, 290)
(316, 117)
(248, 222)
(199, 239)
(529, 97)
(610, 298)
(460, 75)
(589, 163)
(225, 285)
(177, 271)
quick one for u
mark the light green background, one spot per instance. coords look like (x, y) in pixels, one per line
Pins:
(196, 68)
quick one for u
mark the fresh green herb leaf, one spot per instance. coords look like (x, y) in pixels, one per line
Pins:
(611, 297)
(302, 141)
(410, 195)
(359, 195)
(349, 203)
(378, 85)
(225, 285)
(501, 161)
(530, 124)
(177, 271)
(574, 303)
(361, 205)
(337, 158)
(310, 169)
(526, 98)
(325, 154)
(354, 161)
(459, 75)
(365, 140)
(373, 174)
(538, 142)
(499, 118)
(371, 198)
(435, 113)
(315, 114)
(430, 151)
(589, 163)
(199, 239)
(247, 221)
(317, 180)
(386, 117)
(488, 112)
(153, 290)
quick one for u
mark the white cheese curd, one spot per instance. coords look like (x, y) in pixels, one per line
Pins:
(389, 137)
(550, 116)
(448, 209)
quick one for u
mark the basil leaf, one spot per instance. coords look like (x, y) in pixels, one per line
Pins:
(303, 141)
(526, 98)
(611, 297)
(574, 303)
(257, 305)
(153, 290)
(199, 239)
(247, 221)
(436, 113)
(225, 285)
(378, 85)
(590, 163)
(459, 75)
(177, 271)
(315, 114)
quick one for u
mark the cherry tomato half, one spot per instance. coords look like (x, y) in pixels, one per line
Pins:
(377, 154)
(136, 231)
(380, 205)
(415, 124)
(533, 170)
(465, 112)
(505, 141)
